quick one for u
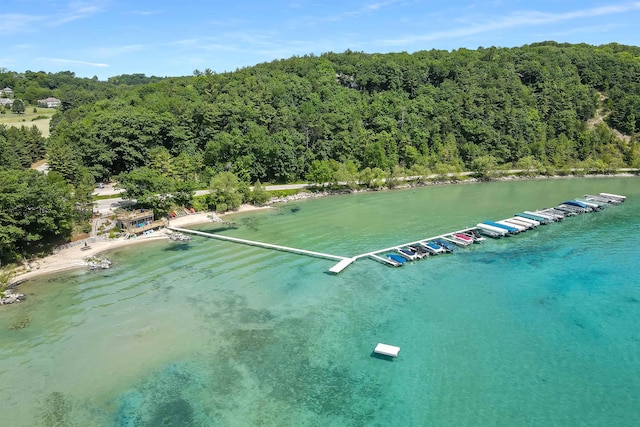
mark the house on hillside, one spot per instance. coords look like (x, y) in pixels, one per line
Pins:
(138, 221)
(49, 102)
(6, 102)
(7, 91)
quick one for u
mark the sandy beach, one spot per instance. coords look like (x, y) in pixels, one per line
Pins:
(75, 256)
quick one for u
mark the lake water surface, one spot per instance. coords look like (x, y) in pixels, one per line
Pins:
(538, 329)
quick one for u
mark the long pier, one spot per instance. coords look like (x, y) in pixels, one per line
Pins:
(262, 244)
(344, 262)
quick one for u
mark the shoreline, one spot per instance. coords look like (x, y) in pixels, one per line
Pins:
(74, 257)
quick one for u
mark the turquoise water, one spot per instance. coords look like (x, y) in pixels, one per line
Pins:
(537, 329)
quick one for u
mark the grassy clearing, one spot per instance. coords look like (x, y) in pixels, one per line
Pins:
(29, 118)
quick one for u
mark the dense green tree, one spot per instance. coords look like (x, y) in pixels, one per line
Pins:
(224, 192)
(320, 172)
(36, 212)
(18, 106)
(259, 194)
(143, 181)
(485, 166)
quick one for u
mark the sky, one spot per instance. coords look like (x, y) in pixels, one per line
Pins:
(107, 38)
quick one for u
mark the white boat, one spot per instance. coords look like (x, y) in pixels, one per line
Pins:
(531, 223)
(492, 231)
(520, 228)
(613, 196)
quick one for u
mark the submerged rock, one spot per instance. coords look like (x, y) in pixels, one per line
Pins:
(20, 324)
(179, 237)
(94, 263)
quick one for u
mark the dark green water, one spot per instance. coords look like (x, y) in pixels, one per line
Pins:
(537, 329)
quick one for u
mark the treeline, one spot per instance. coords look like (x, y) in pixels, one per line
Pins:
(30, 86)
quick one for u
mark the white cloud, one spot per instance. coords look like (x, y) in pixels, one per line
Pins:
(16, 22)
(73, 61)
(517, 19)
(79, 10)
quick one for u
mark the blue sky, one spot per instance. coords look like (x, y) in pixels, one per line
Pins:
(173, 38)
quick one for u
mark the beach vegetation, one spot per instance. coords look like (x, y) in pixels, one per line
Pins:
(225, 192)
(259, 194)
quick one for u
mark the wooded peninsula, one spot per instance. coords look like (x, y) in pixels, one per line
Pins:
(352, 118)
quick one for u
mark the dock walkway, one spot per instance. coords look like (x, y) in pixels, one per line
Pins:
(261, 244)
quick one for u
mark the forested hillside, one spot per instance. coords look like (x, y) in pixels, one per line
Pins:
(351, 117)
(427, 110)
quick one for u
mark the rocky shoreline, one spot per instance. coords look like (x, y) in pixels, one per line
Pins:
(10, 297)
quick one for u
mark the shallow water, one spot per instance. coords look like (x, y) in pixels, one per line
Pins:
(536, 329)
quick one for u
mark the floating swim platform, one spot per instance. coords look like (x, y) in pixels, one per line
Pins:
(387, 350)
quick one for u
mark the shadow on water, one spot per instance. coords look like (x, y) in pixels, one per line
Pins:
(382, 356)
(222, 228)
(177, 247)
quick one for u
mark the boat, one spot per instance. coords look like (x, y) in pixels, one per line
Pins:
(576, 210)
(602, 199)
(420, 249)
(556, 213)
(396, 258)
(408, 254)
(515, 223)
(613, 196)
(448, 247)
(491, 231)
(508, 228)
(518, 227)
(593, 204)
(578, 204)
(433, 248)
(531, 220)
(529, 223)
(541, 218)
(475, 235)
(462, 239)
